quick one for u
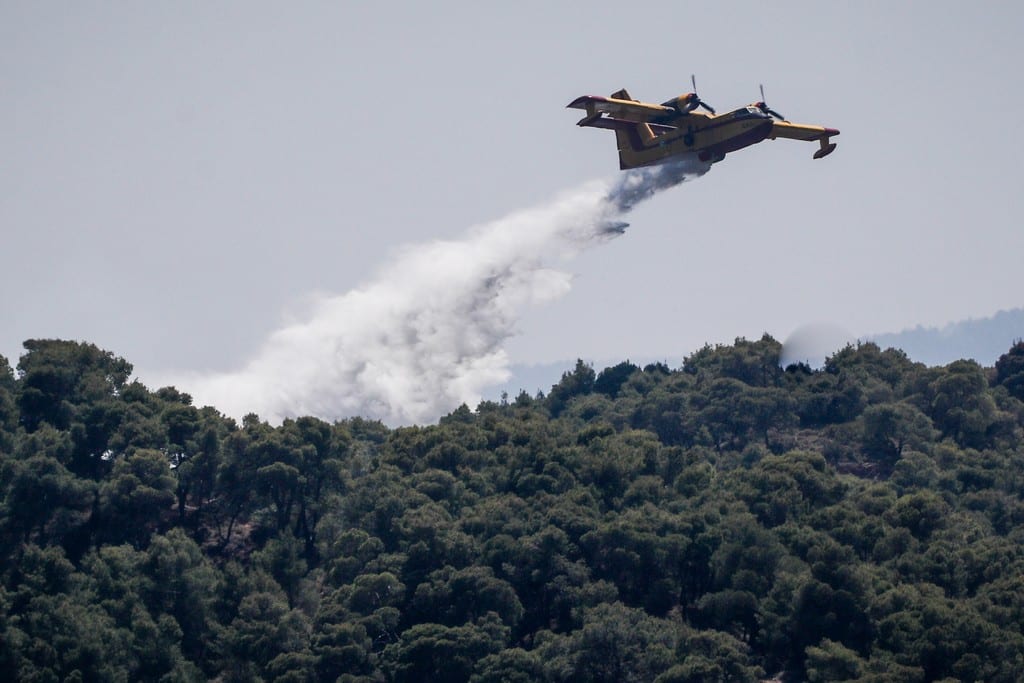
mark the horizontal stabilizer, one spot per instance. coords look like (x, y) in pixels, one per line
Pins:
(632, 110)
(581, 102)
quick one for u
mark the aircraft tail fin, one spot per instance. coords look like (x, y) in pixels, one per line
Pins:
(631, 141)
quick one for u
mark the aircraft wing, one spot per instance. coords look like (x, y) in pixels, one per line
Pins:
(624, 109)
(609, 123)
(800, 131)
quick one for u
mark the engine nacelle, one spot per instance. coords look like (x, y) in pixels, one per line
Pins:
(684, 104)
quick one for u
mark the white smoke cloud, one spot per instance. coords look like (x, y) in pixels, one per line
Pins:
(425, 335)
(813, 343)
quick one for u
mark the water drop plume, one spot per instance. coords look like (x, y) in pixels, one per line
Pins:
(426, 333)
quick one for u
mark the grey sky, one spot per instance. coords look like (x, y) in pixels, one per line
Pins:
(179, 178)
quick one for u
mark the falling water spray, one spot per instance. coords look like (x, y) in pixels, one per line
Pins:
(426, 334)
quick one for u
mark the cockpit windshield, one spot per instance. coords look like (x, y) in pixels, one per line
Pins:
(748, 112)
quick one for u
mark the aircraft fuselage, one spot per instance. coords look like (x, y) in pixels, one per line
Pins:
(710, 137)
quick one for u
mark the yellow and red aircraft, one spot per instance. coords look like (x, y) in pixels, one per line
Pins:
(649, 134)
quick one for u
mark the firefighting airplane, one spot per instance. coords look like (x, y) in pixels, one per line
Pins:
(649, 134)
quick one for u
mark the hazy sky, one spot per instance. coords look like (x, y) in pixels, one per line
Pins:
(179, 180)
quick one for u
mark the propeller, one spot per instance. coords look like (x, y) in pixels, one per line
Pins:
(689, 101)
(700, 102)
(764, 107)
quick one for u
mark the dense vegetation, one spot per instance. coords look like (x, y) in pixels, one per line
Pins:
(726, 521)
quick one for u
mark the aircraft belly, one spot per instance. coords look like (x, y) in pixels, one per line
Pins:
(737, 136)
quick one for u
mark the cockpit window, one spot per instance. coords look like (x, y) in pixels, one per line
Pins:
(747, 112)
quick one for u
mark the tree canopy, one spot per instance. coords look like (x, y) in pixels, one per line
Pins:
(730, 520)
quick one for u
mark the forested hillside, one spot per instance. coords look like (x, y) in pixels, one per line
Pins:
(983, 339)
(725, 521)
